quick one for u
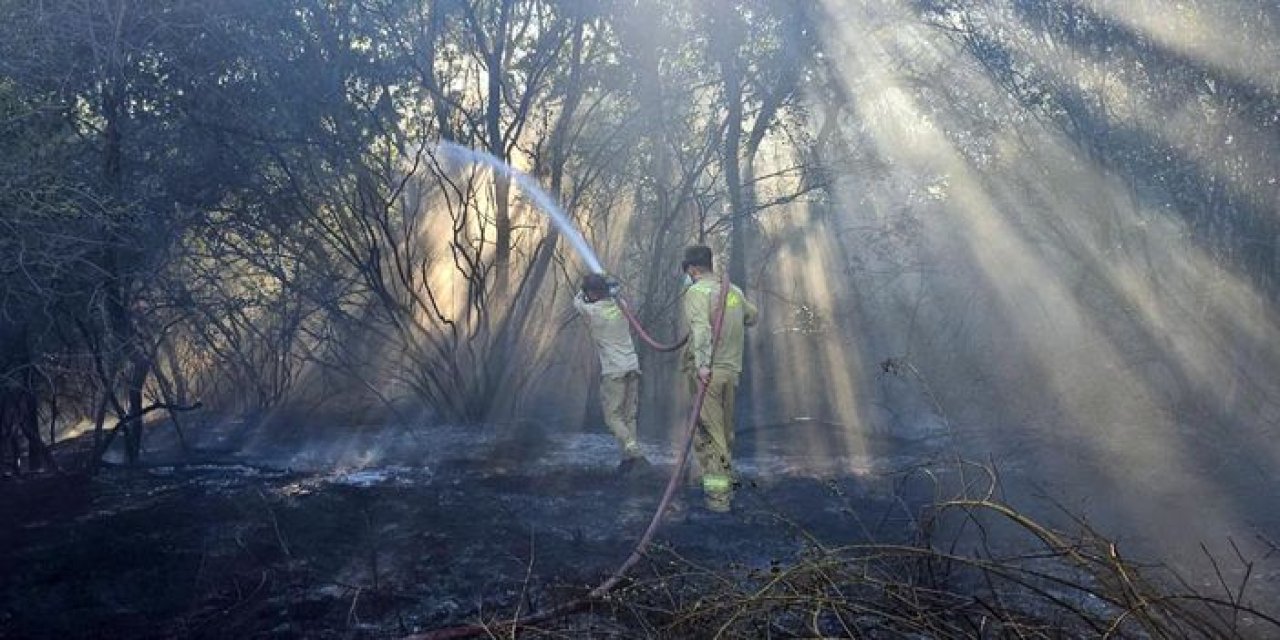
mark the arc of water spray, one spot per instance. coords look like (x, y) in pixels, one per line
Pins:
(530, 187)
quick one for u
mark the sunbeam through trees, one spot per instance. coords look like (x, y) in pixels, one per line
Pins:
(252, 249)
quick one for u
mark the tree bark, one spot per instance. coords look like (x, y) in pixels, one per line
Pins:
(495, 57)
(726, 40)
(28, 402)
(140, 368)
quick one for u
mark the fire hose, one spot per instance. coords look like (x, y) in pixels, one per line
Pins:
(644, 335)
(642, 545)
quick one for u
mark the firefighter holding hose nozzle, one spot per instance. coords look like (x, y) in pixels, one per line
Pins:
(619, 366)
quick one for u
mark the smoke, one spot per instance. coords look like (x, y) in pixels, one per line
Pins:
(1095, 342)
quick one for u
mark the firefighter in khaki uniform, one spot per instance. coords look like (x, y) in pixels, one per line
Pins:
(713, 441)
(619, 366)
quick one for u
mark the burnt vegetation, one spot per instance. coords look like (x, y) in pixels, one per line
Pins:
(1038, 231)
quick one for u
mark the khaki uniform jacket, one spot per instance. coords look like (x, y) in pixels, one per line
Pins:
(700, 301)
(611, 333)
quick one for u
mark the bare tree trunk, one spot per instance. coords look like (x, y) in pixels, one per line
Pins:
(740, 215)
(726, 38)
(9, 448)
(38, 453)
(497, 147)
(531, 285)
(178, 398)
(28, 401)
(653, 196)
(140, 368)
(99, 420)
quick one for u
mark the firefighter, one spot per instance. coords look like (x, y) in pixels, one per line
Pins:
(619, 366)
(713, 439)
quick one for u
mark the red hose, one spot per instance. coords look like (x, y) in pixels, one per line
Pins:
(469, 631)
(644, 335)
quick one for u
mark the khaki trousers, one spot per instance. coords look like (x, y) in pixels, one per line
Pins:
(620, 398)
(713, 438)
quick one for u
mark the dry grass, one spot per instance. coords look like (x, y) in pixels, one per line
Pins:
(953, 580)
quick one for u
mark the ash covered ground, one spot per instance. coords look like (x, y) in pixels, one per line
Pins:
(384, 532)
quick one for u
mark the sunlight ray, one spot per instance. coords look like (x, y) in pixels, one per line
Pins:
(1070, 349)
(1187, 29)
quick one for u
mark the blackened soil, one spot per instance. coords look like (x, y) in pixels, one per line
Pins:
(237, 551)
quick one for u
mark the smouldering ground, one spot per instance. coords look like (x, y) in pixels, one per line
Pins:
(328, 548)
